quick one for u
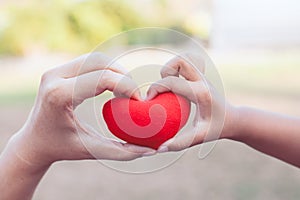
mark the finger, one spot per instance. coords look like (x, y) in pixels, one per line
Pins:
(196, 60)
(125, 151)
(113, 150)
(85, 64)
(185, 66)
(135, 149)
(177, 85)
(98, 147)
(104, 148)
(197, 117)
(183, 141)
(94, 83)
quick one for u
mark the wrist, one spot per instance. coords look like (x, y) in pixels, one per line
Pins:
(241, 123)
(231, 128)
(26, 152)
(19, 176)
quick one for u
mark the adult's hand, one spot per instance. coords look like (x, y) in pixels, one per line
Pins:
(52, 131)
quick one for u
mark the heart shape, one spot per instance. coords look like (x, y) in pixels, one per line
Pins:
(146, 123)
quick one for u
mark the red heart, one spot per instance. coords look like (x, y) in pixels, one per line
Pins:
(146, 123)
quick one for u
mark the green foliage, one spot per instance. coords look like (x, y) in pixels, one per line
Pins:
(73, 26)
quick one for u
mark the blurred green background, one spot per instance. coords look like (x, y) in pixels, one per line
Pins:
(63, 25)
(78, 26)
(258, 60)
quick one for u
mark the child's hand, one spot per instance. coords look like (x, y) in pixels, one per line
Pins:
(211, 107)
(52, 130)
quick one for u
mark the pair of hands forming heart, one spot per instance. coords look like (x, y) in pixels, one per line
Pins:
(54, 133)
(161, 126)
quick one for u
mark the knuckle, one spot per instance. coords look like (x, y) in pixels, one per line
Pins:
(106, 77)
(169, 71)
(96, 54)
(54, 94)
(181, 61)
(98, 58)
(206, 96)
(106, 81)
(203, 94)
(51, 92)
(164, 71)
(46, 76)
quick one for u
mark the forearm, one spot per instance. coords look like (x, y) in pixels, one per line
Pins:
(270, 133)
(19, 177)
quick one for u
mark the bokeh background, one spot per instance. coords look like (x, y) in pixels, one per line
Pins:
(254, 44)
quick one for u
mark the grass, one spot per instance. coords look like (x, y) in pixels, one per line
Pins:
(24, 97)
(267, 79)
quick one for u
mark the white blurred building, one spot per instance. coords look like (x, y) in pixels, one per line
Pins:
(255, 24)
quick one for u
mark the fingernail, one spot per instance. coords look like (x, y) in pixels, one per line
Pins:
(143, 97)
(146, 98)
(137, 96)
(162, 149)
(149, 153)
(149, 96)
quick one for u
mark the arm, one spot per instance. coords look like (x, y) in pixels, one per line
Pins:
(273, 134)
(52, 131)
(270, 133)
(19, 177)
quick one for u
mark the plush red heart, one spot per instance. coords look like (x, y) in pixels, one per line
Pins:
(146, 123)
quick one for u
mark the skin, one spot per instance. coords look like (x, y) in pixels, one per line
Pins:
(52, 131)
(271, 133)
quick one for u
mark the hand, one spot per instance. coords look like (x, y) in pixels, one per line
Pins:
(53, 132)
(214, 116)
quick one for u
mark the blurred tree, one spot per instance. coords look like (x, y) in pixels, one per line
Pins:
(75, 26)
(79, 26)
